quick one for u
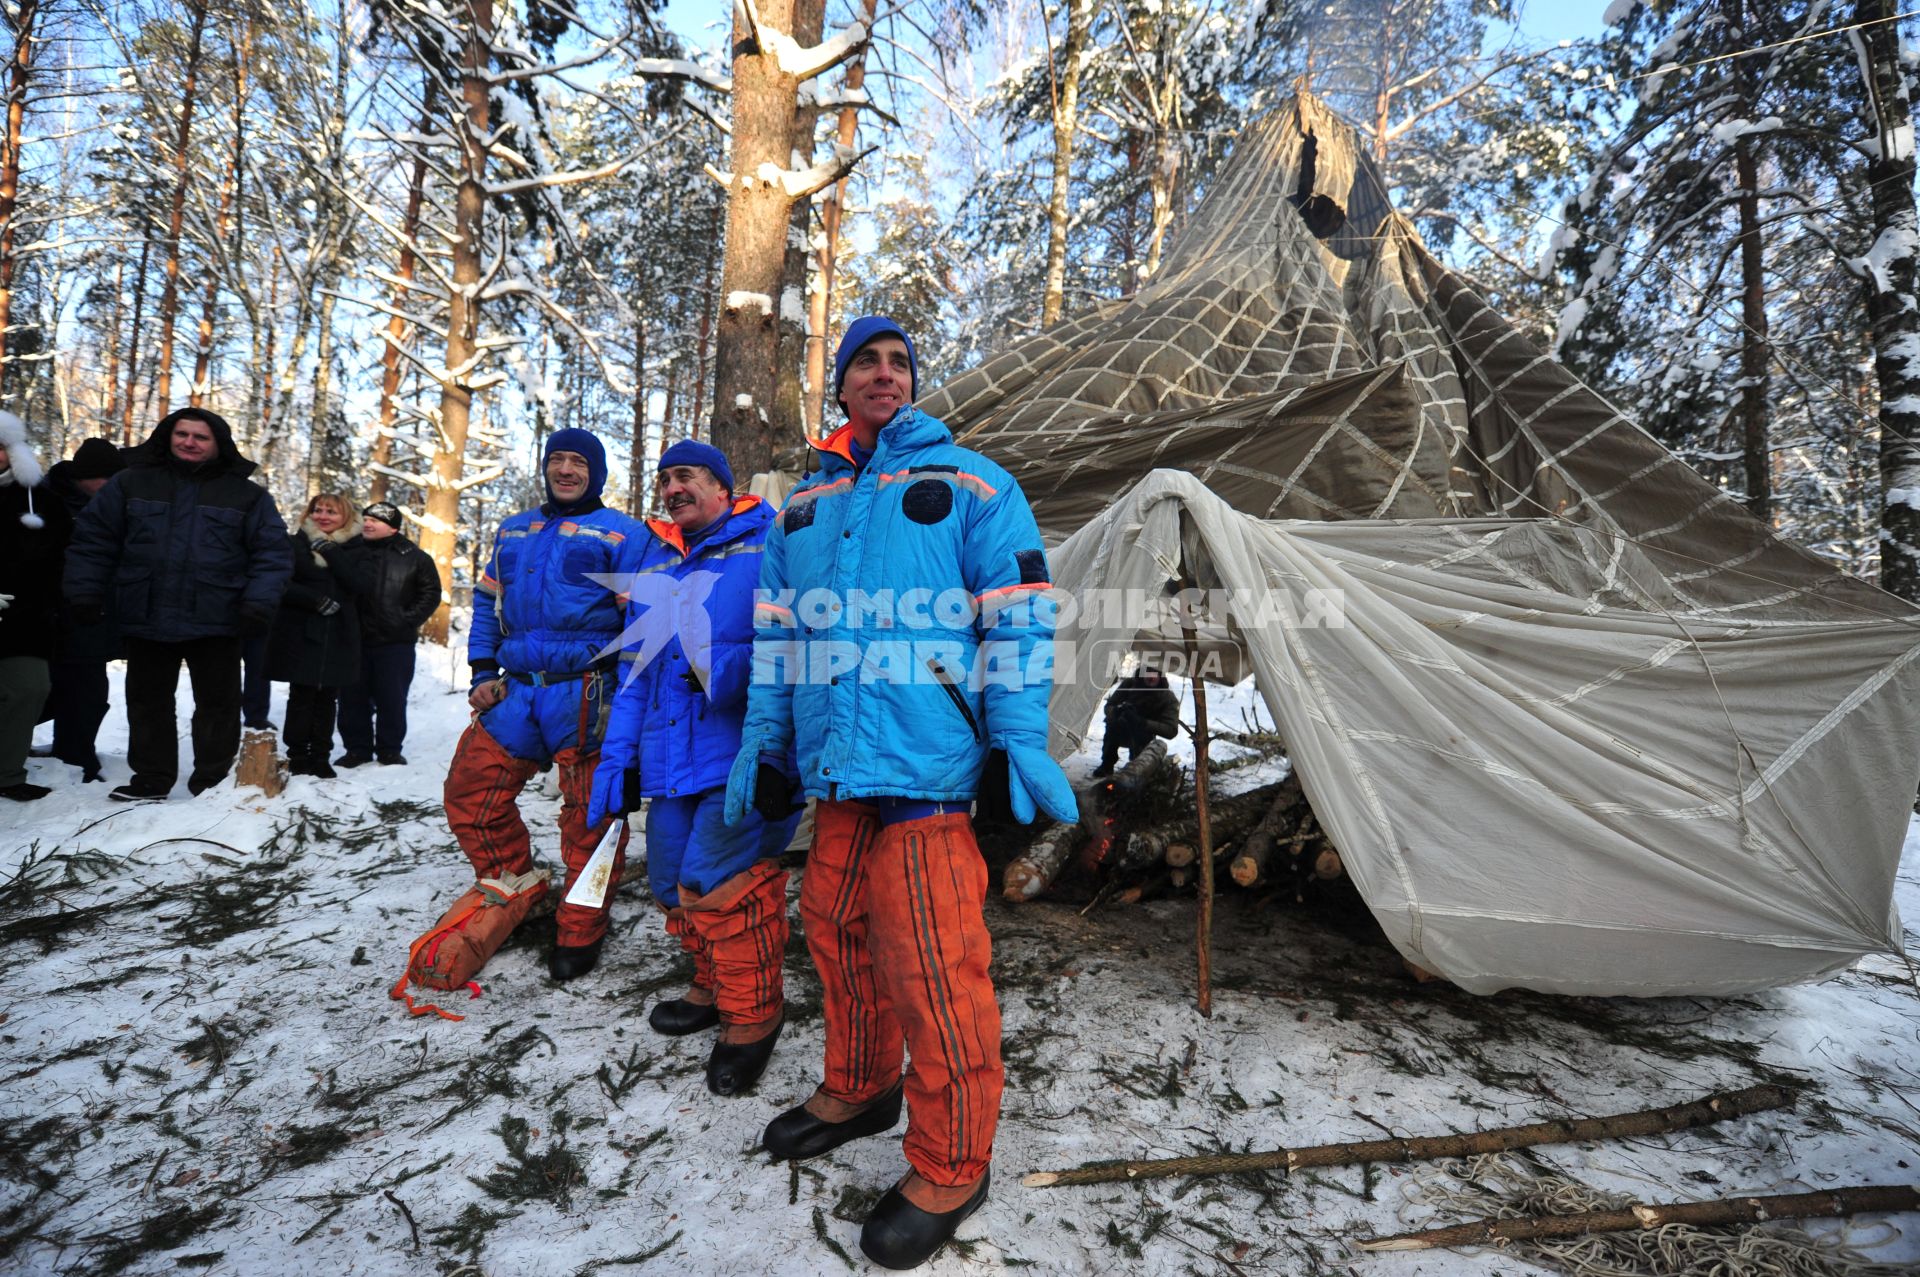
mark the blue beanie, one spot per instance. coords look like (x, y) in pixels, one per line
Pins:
(691, 452)
(588, 445)
(863, 332)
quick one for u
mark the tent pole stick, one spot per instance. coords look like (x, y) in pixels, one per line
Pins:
(1203, 939)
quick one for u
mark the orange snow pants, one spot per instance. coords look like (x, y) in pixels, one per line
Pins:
(894, 924)
(481, 788)
(741, 930)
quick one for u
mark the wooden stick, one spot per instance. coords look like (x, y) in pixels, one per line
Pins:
(1831, 1204)
(1251, 864)
(1203, 932)
(1719, 1107)
(1033, 870)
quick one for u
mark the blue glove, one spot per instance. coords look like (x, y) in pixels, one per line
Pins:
(610, 796)
(1033, 778)
(742, 780)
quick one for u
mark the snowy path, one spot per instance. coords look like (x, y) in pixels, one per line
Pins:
(200, 1069)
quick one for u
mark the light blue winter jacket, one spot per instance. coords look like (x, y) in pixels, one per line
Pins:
(902, 688)
(688, 609)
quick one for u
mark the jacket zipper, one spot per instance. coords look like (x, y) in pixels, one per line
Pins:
(945, 680)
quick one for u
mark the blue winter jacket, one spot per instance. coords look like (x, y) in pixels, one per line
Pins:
(894, 643)
(540, 614)
(689, 610)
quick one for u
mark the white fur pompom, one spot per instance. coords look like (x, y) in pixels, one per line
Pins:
(33, 520)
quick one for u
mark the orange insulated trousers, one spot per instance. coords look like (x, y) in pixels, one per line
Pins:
(741, 926)
(481, 788)
(894, 924)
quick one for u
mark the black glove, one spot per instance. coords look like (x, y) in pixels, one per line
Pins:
(255, 622)
(1125, 714)
(773, 794)
(629, 791)
(993, 800)
(322, 544)
(327, 607)
(89, 613)
(691, 677)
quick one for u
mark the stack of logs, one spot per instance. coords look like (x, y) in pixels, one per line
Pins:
(1264, 837)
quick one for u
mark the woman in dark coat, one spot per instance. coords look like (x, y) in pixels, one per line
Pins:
(315, 646)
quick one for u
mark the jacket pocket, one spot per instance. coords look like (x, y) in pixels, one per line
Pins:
(947, 685)
(133, 595)
(222, 533)
(216, 598)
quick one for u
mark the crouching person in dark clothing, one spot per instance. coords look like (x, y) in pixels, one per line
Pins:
(78, 702)
(402, 591)
(1141, 708)
(194, 556)
(315, 648)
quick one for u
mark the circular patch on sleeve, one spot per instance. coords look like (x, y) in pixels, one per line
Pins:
(928, 501)
(798, 516)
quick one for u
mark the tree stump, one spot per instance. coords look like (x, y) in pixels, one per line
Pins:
(260, 763)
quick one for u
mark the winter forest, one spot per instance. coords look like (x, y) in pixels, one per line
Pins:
(397, 242)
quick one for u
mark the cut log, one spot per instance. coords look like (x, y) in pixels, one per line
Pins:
(260, 763)
(1231, 818)
(1834, 1203)
(1141, 770)
(1719, 1107)
(1250, 866)
(1030, 873)
(1179, 855)
(1327, 866)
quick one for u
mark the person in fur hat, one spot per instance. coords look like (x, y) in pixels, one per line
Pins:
(34, 530)
(192, 555)
(315, 646)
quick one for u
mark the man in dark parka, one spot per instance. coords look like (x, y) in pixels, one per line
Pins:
(194, 556)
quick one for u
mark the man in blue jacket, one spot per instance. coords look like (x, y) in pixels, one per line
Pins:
(194, 557)
(674, 733)
(898, 656)
(543, 624)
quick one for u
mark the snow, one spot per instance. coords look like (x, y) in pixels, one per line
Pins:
(740, 299)
(1895, 243)
(1617, 12)
(1572, 315)
(743, 402)
(1730, 130)
(204, 1071)
(804, 63)
(1909, 497)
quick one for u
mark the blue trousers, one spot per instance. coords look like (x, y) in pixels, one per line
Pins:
(373, 712)
(689, 841)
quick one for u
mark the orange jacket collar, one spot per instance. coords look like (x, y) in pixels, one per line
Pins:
(669, 531)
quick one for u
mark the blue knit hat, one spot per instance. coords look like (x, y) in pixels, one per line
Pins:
(691, 452)
(587, 445)
(864, 332)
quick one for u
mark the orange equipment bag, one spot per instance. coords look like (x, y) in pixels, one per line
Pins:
(452, 952)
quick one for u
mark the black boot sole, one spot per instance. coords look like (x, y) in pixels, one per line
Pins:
(899, 1235)
(570, 962)
(798, 1134)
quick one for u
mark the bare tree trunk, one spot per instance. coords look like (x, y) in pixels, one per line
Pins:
(440, 533)
(1066, 108)
(1754, 352)
(1892, 305)
(133, 339)
(637, 451)
(707, 300)
(820, 301)
(111, 408)
(327, 455)
(758, 215)
(1164, 180)
(269, 382)
(170, 295)
(18, 69)
(229, 192)
(787, 420)
(396, 336)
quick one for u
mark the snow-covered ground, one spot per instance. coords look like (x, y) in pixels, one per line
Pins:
(201, 1071)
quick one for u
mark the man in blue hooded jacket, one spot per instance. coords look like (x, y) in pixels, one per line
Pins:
(672, 739)
(898, 656)
(543, 625)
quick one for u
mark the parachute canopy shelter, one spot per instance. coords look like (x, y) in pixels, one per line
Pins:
(1575, 720)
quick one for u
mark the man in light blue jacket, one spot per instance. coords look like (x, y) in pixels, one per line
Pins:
(898, 656)
(672, 737)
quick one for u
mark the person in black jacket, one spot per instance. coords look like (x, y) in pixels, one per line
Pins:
(34, 529)
(315, 646)
(1141, 708)
(402, 591)
(194, 555)
(78, 702)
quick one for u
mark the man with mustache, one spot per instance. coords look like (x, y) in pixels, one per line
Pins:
(543, 624)
(674, 732)
(902, 721)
